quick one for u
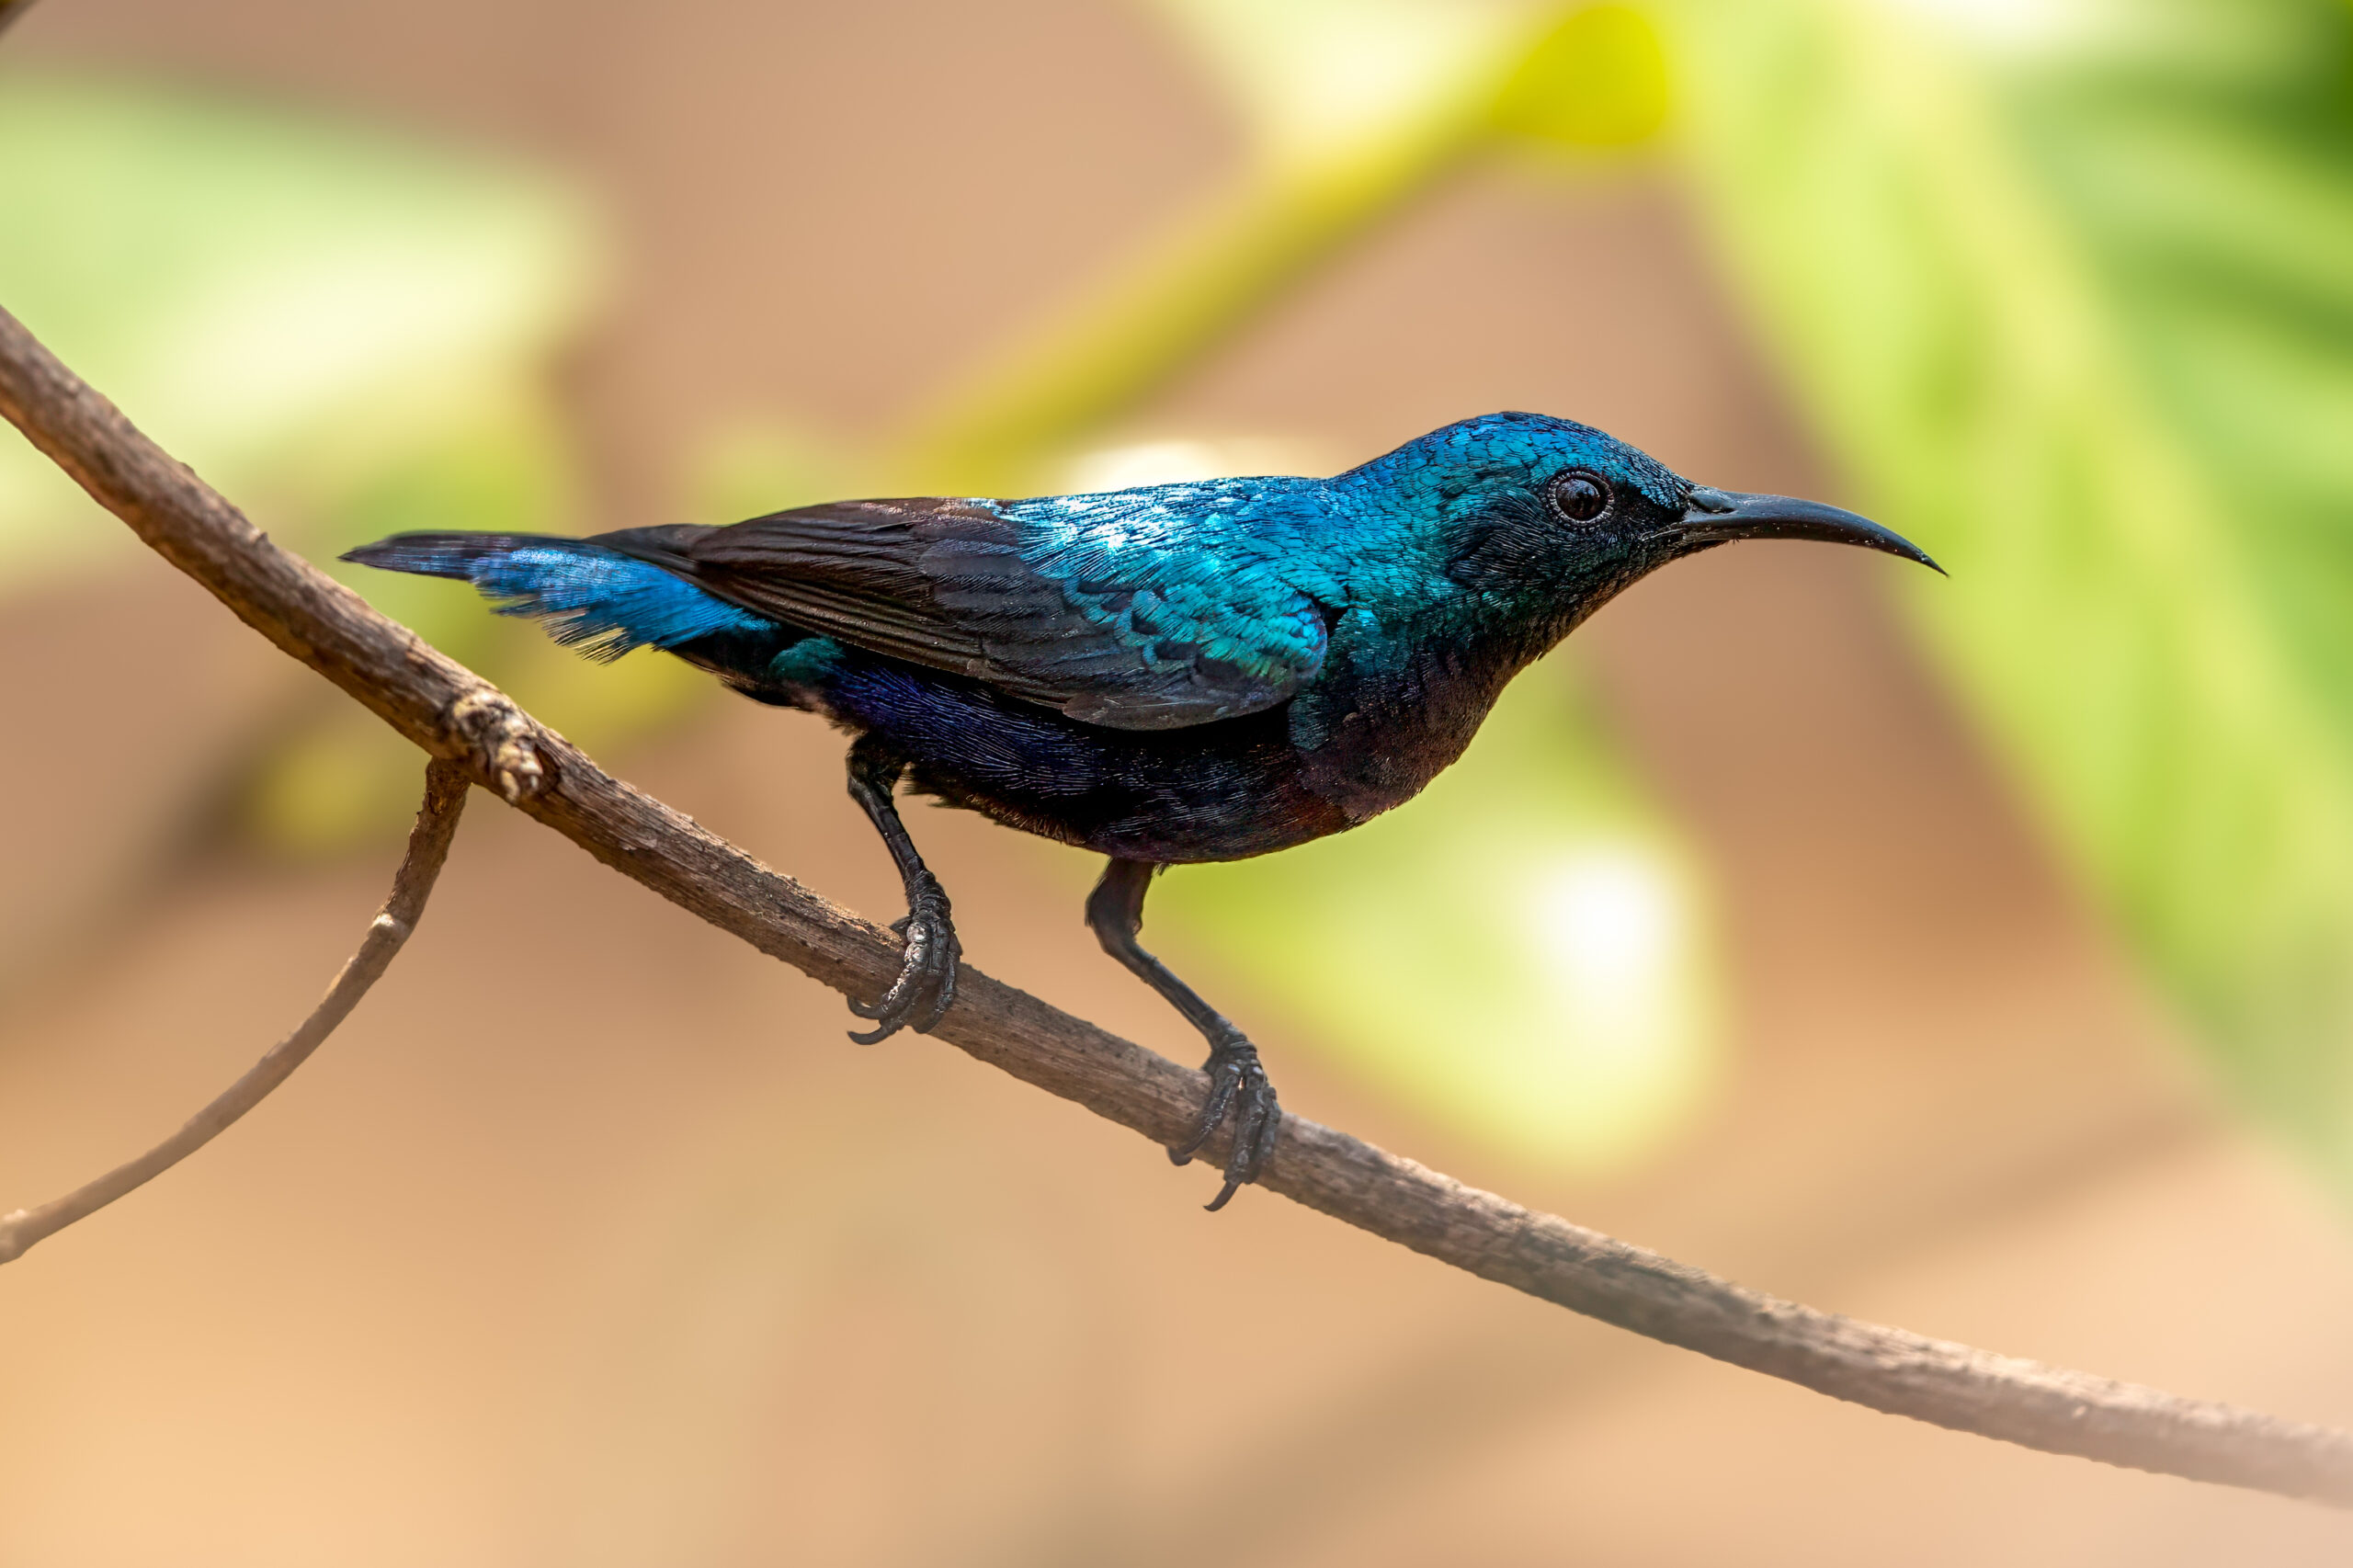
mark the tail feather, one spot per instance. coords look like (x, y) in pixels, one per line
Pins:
(591, 597)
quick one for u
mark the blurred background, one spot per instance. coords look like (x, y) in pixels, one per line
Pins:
(1975, 955)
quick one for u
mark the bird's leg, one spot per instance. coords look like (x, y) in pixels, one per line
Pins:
(927, 981)
(1237, 1083)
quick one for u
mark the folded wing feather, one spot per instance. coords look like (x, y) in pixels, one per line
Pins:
(1127, 627)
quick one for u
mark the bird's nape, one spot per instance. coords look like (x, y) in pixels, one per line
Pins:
(1715, 516)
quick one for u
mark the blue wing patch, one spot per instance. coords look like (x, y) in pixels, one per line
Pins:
(1143, 610)
(1139, 609)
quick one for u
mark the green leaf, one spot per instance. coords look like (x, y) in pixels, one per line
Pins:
(1597, 79)
(293, 305)
(2069, 288)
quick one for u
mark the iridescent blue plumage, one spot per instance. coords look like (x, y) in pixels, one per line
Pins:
(599, 601)
(1222, 572)
(1174, 673)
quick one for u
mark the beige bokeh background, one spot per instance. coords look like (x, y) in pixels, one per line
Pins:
(590, 1241)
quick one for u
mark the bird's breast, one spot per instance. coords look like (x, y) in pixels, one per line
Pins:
(1373, 732)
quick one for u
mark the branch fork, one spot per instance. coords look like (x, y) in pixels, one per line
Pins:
(504, 741)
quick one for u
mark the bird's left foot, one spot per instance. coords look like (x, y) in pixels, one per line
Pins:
(1237, 1084)
(920, 997)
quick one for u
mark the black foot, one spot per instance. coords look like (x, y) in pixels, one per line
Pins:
(1237, 1084)
(927, 983)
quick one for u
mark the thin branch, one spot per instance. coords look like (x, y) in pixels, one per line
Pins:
(446, 784)
(453, 713)
(12, 12)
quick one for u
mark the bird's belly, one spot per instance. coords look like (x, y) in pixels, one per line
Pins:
(1219, 792)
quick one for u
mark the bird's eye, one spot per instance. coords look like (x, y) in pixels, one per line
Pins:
(1581, 495)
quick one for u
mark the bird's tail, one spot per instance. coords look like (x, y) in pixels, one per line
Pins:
(590, 596)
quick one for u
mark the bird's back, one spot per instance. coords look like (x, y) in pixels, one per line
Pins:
(1193, 671)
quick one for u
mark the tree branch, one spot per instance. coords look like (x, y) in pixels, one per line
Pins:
(446, 784)
(454, 714)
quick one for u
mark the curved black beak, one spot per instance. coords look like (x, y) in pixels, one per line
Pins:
(1713, 516)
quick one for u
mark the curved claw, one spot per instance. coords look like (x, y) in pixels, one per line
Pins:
(1225, 1082)
(925, 987)
(895, 996)
(1238, 1085)
(943, 998)
(1257, 1118)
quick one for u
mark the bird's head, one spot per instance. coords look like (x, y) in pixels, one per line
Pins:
(1540, 514)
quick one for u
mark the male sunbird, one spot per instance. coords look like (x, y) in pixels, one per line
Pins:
(1170, 674)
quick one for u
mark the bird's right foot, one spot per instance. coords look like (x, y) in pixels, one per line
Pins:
(925, 988)
(1237, 1084)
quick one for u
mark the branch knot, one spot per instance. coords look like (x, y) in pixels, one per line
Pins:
(503, 739)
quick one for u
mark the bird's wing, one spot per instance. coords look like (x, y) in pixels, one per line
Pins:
(1135, 610)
